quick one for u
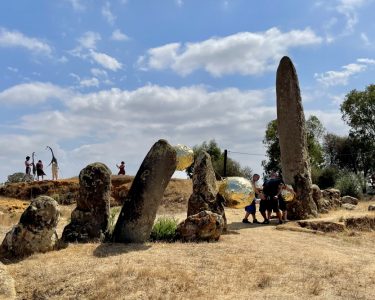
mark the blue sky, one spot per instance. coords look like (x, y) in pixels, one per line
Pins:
(104, 80)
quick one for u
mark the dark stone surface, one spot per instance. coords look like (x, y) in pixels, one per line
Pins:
(35, 232)
(205, 194)
(293, 143)
(89, 220)
(141, 203)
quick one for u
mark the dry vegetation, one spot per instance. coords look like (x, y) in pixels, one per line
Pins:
(251, 261)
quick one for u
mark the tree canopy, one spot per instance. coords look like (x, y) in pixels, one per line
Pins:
(314, 131)
(358, 111)
(217, 157)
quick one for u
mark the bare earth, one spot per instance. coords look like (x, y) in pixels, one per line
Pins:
(251, 261)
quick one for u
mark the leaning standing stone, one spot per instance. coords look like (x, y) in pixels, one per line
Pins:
(141, 203)
(89, 220)
(205, 190)
(293, 143)
(35, 232)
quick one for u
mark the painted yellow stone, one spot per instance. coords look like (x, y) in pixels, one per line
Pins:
(185, 157)
(287, 195)
(238, 191)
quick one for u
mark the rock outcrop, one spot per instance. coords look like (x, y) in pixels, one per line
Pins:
(89, 220)
(205, 194)
(204, 226)
(35, 232)
(349, 200)
(142, 201)
(293, 143)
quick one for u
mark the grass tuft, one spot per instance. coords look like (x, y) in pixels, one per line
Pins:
(164, 229)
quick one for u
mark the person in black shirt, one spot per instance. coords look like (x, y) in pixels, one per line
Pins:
(272, 192)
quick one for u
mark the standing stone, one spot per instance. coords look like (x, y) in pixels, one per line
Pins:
(141, 203)
(205, 194)
(292, 138)
(89, 220)
(35, 232)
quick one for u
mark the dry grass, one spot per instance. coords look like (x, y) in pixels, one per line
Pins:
(252, 261)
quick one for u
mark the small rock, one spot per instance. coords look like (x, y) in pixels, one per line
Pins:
(348, 206)
(371, 207)
(204, 226)
(349, 199)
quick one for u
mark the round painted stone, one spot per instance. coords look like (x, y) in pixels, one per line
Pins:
(238, 191)
(185, 157)
(288, 196)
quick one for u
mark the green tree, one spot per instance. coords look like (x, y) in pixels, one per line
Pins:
(217, 157)
(349, 153)
(314, 131)
(358, 111)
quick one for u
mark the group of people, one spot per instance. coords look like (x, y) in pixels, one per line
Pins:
(271, 199)
(38, 168)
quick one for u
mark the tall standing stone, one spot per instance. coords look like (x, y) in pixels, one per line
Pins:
(293, 143)
(141, 203)
(205, 194)
(35, 232)
(89, 220)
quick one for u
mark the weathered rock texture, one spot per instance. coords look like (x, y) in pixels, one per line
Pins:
(89, 220)
(293, 143)
(204, 226)
(7, 290)
(348, 206)
(324, 226)
(141, 203)
(349, 200)
(35, 232)
(371, 207)
(205, 194)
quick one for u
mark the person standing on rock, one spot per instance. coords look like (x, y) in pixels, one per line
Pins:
(121, 168)
(39, 169)
(251, 209)
(28, 166)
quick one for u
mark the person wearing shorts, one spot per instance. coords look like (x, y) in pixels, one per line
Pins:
(272, 191)
(251, 209)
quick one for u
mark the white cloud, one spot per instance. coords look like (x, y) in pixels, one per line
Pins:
(368, 61)
(332, 78)
(77, 5)
(17, 39)
(365, 39)
(117, 35)
(179, 3)
(89, 39)
(14, 70)
(106, 61)
(107, 14)
(98, 72)
(89, 82)
(349, 8)
(245, 53)
(32, 93)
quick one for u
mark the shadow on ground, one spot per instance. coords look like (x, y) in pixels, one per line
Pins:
(113, 249)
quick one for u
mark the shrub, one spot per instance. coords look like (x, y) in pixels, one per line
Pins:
(328, 177)
(349, 185)
(164, 229)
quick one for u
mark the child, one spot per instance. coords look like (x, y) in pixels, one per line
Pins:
(121, 168)
(251, 209)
